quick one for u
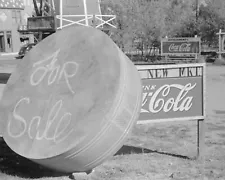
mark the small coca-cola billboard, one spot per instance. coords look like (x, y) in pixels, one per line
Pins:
(171, 98)
(172, 92)
(180, 46)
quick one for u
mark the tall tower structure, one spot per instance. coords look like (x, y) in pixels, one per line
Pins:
(81, 12)
(52, 15)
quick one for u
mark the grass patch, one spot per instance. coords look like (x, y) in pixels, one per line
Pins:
(163, 151)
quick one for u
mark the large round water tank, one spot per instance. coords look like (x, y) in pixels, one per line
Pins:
(72, 101)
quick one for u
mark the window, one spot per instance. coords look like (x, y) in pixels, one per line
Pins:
(16, 16)
(6, 41)
(2, 42)
(9, 40)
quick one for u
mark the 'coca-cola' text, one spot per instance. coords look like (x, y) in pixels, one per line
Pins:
(159, 101)
(184, 47)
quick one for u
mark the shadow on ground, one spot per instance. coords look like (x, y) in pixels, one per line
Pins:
(139, 150)
(15, 165)
(4, 77)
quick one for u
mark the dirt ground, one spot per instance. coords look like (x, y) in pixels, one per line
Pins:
(162, 151)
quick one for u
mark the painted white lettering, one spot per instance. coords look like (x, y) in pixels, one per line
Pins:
(181, 103)
(54, 71)
(33, 129)
(67, 75)
(18, 118)
(36, 119)
(60, 124)
(184, 47)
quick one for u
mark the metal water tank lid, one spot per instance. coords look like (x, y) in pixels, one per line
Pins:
(72, 101)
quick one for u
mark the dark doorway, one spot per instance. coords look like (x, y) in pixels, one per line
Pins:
(2, 42)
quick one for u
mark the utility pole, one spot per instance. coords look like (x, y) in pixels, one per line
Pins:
(196, 16)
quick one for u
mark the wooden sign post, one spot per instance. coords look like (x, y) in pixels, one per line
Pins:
(221, 43)
(174, 93)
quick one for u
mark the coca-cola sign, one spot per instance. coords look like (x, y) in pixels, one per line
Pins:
(171, 98)
(183, 46)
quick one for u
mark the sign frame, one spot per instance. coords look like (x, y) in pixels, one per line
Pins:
(200, 119)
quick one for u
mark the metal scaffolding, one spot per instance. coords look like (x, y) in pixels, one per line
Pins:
(89, 16)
